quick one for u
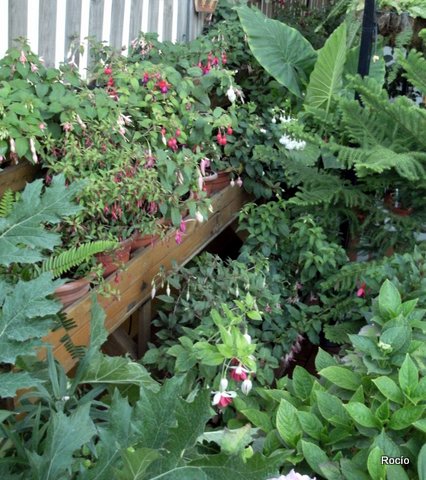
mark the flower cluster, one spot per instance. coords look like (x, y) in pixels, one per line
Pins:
(212, 62)
(292, 144)
(292, 475)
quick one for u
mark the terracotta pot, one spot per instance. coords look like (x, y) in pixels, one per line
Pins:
(72, 291)
(207, 6)
(142, 241)
(112, 261)
(402, 212)
(216, 182)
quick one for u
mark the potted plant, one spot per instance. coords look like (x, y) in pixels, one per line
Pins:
(205, 6)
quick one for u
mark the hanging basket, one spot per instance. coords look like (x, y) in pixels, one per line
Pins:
(207, 6)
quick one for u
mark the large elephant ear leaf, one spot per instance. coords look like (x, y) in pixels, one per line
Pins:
(326, 78)
(281, 50)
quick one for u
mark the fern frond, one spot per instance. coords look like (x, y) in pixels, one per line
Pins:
(6, 203)
(415, 69)
(63, 262)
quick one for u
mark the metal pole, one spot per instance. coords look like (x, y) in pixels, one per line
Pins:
(367, 37)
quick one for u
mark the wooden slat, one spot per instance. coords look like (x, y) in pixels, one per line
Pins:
(72, 26)
(47, 31)
(135, 285)
(168, 20)
(120, 343)
(154, 10)
(117, 19)
(135, 19)
(182, 22)
(18, 12)
(96, 18)
(16, 177)
(144, 327)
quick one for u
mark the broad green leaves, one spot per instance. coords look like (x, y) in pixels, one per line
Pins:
(24, 225)
(11, 382)
(287, 424)
(342, 377)
(281, 50)
(326, 79)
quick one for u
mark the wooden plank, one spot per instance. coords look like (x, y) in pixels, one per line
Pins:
(117, 20)
(153, 12)
(18, 15)
(16, 177)
(144, 327)
(72, 27)
(167, 20)
(47, 31)
(182, 22)
(135, 286)
(96, 19)
(135, 19)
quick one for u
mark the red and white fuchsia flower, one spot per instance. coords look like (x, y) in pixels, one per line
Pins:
(223, 397)
(239, 373)
(361, 290)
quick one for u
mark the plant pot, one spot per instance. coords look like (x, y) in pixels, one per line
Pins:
(402, 212)
(72, 291)
(206, 6)
(142, 241)
(216, 182)
(112, 261)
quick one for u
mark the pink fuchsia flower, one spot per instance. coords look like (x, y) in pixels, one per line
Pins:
(67, 126)
(108, 70)
(223, 399)
(23, 58)
(163, 86)
(34, 67)
(42, 126)
(153, 208)
(145, 78)
(239, 373)
(361, 290)
(239, 182)
(182, 226)
(204, 163)
(178, 237)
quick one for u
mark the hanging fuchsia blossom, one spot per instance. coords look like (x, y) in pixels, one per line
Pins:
(239, 373)
(178, 237)
(361, 290)
(34, 67)
(223, 398)
(23, 58)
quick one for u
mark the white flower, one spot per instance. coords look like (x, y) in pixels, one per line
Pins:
(292, 475)
(12, 145)
(153, 291)
(262, 130)
(247, 337)
(274, 120)
(210, 208)
(231, 94)
(232, 182)
(220, 398)
(376, 58)
(246, 386)
(292, 144)
(199, 216)
(223, 384)
(168, 290)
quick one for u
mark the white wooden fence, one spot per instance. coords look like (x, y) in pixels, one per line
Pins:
(52, 25)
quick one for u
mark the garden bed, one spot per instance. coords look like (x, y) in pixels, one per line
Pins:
(135, 282)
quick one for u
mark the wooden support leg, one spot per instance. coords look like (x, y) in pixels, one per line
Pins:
(119, 343)
(144, 327)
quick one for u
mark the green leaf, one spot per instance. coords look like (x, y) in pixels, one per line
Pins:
(119, 371)
(258, 418)
(342, 377)
(351, 470)
(405, 417)
(396, 336)
(310, 424)
(326, 79)
(254, 315)
(24, 225)
(421, 463)
(11, 382)
(389, 299)
(234, 441)
(65, 435)
(408, 375)
(302, 382)
(281, 50)
(389, 389)
(375, 468)
(324, 359)
(22, 147)
(136, 463)
(287, 423)
(315, 457)
(362, 415)
(27, 315)
(332, 409)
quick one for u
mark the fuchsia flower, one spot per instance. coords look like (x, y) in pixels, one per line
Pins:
(67, 126)
(204, 163)
(223, 398)
(163, 86)
(239, 182)
(239, 373)
(34, 67)
(361, 290)
(182, 226)
(42, 126)
(153, 208)
(145, 78)
(178, 237)
(108, 71)
(23, 58)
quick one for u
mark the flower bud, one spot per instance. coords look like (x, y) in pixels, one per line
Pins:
(153, 292)
(168, 290)
(223, 384)
(199, 216)
(247, 337)
(246, 386)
